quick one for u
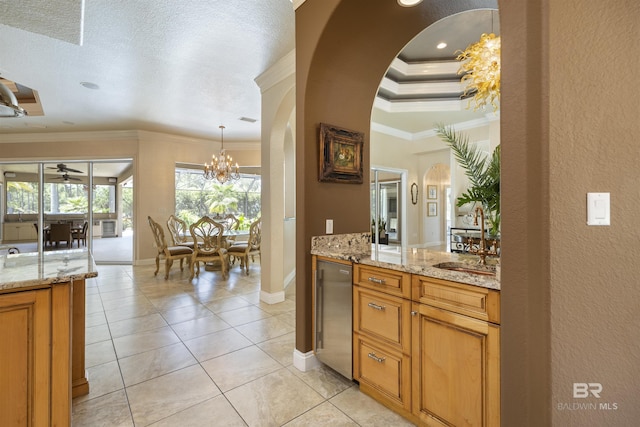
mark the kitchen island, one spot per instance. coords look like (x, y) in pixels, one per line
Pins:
(425, 330)
(42, 327)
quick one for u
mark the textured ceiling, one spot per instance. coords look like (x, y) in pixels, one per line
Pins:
(187, 69)
(182, 70)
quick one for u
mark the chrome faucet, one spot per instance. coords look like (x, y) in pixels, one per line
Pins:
(482, 250)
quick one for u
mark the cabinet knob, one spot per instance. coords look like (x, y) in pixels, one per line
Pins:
(414, 313)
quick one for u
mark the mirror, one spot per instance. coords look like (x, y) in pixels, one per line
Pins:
(422, 88)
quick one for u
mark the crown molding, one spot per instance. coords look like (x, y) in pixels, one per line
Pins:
(285, 67)
(417, 136)
(297, 3)
(117, 135)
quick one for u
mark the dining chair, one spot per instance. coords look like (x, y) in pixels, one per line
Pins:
(81, 234)
(60, 233)
(251, 247)
(45, 234)
(207, 245)
(178, 231)
(169, 253)
(230, 222)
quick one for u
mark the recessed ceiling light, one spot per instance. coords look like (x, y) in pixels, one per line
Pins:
(90, 85)
(408, 3)
(441, 45)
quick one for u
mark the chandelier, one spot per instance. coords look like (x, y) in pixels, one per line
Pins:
(221, 167)
(481, 68)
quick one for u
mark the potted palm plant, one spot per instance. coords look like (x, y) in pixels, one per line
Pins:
(381, 236)
(483, 173)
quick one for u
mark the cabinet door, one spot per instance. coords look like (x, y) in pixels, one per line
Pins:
(10, 233)
(456, 362)
(25, 360)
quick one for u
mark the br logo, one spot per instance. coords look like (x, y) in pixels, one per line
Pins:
(583, 390)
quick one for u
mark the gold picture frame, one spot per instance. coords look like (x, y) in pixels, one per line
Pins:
(340, 155)
(432, 209)
(432, 192)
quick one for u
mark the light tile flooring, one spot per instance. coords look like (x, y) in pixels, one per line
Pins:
(206, 353)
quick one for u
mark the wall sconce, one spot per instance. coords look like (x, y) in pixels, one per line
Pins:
(414, 193)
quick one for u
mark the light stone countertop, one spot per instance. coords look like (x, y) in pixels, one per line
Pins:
(30, 269)
(356, 247)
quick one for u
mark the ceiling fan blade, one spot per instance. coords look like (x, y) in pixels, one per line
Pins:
(73, 170)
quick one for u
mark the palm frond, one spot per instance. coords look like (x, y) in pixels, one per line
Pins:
(483, 171)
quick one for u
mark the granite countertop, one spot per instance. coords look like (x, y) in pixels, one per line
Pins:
(356, 248)
(30, 269)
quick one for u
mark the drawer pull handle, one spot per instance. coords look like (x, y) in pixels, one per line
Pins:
(376, 280)
(376, 358)
(376, 306)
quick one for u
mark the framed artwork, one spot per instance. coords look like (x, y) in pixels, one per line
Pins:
(432, 192)
(432, 209)
(340, 155)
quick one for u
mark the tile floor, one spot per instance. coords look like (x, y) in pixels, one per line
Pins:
(206, 353)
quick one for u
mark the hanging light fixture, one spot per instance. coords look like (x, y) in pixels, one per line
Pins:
(481, 68)
(9, 104)
(221, 167)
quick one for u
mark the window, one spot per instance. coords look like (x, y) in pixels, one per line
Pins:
(22, 197)
(196, 197)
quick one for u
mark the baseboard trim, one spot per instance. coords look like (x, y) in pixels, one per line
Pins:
(291, 277)
(304, 361)
(272, 298)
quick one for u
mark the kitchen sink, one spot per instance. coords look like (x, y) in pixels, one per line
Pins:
(485, 270)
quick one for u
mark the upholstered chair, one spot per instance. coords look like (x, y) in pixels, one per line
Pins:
(207, 245)
(250, 248)
(169, 253)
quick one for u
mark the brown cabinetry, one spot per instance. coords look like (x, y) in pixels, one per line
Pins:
(35, 376)
(382, 335)
(427, 348)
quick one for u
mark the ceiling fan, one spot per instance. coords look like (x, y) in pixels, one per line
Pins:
(66, 178)
(61, 167)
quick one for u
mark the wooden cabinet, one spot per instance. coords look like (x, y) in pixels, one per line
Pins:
(456, 353)
(456, 363)
(35, 376)
(19, 231)
(427, 348)
(382, 335)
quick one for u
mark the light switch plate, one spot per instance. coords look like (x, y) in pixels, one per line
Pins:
(598, 209)
(329, 226)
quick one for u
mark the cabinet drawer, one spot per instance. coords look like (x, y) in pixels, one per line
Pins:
(383, 370)
(382, 279)
(473, 301)
(384, 317)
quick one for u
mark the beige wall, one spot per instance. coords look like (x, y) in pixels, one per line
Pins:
(154, 157)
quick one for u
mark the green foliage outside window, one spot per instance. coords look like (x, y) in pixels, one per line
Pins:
(197, 197)
(22, 197)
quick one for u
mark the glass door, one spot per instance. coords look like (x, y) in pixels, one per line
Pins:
(387, 209)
